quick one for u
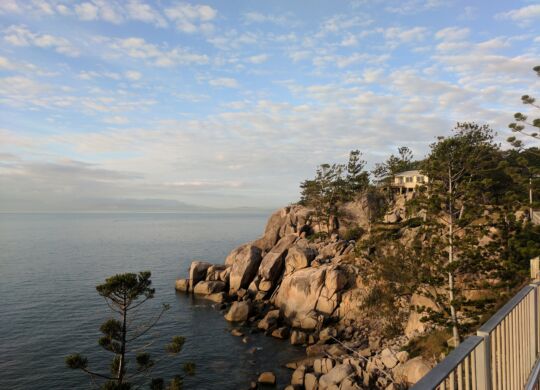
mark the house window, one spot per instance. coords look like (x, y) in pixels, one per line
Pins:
(399, 180)
(409, 179)
(419, 179)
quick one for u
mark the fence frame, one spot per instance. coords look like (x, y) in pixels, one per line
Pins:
(484, 373)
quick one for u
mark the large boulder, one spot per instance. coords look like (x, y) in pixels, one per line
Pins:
(272, 263)
(273, 229)
(415, 324)
(270, 320)
(182, 285)
(244, 262)
(214, 272)
(238, 312)
(209, 287)
(298, 257)
(411, 371)
(297, 297)
(197, 272)
(335, 376)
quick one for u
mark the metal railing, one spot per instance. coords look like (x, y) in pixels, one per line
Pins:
(504, 353)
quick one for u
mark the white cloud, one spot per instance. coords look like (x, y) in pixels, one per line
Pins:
(99, 9)
(258, 17)
(525, 15)
(9, 6)
(258, 59)
(407, 7)
(116, 120)
(138, 48)
(22, 36)
(133, 75)
(453, 34)
(338, 23)
(225, 82)
(137, 10)
(6, 64)
(192, 18)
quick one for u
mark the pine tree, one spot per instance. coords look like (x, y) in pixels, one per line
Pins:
(456, 169)
(124, 293)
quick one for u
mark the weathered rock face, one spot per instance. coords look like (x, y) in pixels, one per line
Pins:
(244, 262)
(415, 325)
(238, 312)
(273, 229)
(209, 287)
(272, 263)
(298, 295)
(197, 272)
(214, 272)
(307, 294)
(298, 257)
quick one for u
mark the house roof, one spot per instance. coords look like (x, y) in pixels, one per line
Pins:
(408, 173)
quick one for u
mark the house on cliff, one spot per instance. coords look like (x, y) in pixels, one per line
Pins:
(408, 181)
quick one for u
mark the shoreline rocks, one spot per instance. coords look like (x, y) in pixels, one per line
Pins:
(303, 291)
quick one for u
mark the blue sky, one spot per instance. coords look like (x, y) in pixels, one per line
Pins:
(233, 103)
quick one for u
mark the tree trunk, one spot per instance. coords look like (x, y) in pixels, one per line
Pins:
(455, 330)
(121, 366)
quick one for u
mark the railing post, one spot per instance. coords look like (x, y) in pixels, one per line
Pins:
(483, 363)
(534, 322)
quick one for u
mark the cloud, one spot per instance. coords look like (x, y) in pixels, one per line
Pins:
(137, 10)
(524, 16)
(452, 34)
(258, 59)
(105, 10)
(338, 23)
(192, 18)
(258, 17)
(19, 35)
(138, 48)
(116, 120)
(133, 75)
(409, 7)
(225, 82)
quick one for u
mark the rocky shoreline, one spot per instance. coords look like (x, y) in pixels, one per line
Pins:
(297, 284)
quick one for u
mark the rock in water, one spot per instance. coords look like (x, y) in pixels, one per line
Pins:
(197, 272)
(209, 287)
(238, 312)
(182, 285)
(267, 378)
(244, 262)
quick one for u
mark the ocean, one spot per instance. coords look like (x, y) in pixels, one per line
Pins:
(49, 308)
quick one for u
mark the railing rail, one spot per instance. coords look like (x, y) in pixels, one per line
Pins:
(503, 355)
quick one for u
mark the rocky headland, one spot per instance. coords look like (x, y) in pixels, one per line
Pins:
(298, 284)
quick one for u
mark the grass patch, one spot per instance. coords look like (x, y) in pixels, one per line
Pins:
(430, 346)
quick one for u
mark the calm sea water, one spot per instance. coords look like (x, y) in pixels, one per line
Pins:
(49, 308)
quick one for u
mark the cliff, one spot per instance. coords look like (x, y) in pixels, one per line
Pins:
(297, 284)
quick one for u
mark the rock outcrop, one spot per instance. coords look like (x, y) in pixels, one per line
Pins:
(291, 286)
(244, 262)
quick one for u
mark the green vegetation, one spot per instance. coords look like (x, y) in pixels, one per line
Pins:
(523, 123)
(466, 239)
(332, 185)
(124, 293)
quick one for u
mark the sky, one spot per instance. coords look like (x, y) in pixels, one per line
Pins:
(109, 104)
